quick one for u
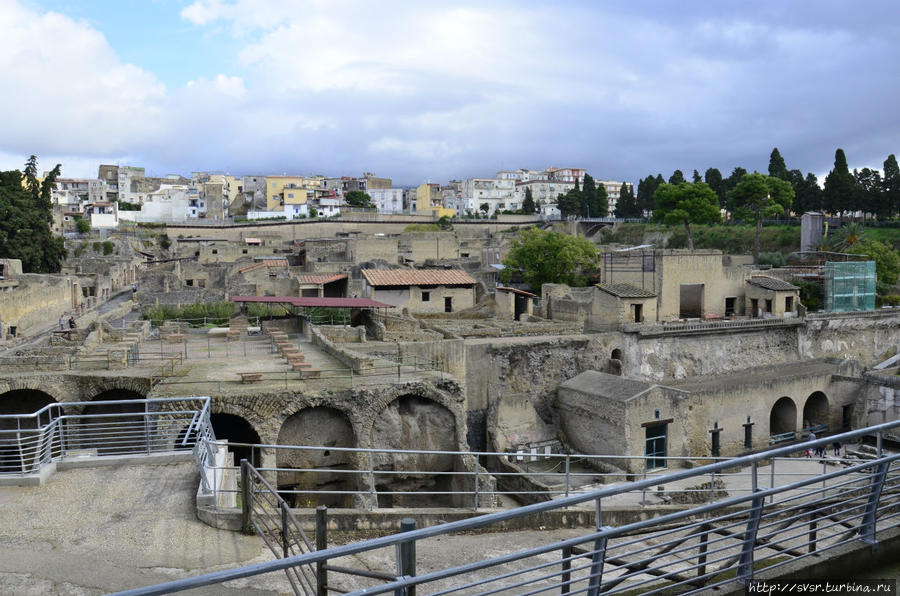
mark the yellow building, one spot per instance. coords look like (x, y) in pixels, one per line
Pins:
(428, 195)
(282, 190)
(439, 212)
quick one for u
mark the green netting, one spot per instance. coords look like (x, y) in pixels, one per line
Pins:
(850, 286)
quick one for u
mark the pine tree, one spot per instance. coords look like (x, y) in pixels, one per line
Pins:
(838, 193)
(588, 198)
(601, 201)
(697, 177)
(713, 178)
(528, 205)
(891, 185)
(758, 196)
(677, 178)
(777, 167)
(686, 204)
(626, 206)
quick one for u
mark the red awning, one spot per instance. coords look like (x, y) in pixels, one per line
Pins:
(315, 302)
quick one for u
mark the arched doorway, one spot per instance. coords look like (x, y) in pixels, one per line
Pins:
(116, 428)
(234, 429)
(615, 362)
(317, 427)
(413, 422)
(19, 450)
(783, 420)
(815, 412)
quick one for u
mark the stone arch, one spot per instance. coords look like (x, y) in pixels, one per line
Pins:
(419, 423)
(783, 416)
(319, 426)
(18, 451)
(616, 354)
(815, 410)
(234, 428)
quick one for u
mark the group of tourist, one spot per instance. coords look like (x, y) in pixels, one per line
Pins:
(819, 450)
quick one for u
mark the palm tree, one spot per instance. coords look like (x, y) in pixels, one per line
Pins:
(848, 235)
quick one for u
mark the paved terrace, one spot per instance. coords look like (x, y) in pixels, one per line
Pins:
(210, 363)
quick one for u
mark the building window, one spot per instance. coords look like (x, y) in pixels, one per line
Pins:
(426, 296)
(215, 251)
(729, 306)
(788, 304)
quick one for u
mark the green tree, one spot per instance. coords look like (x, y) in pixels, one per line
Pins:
(737, 174)
(807, 195)
(887, 262)
(626, 206)
(357, 198)
(867, 191)
(713, 178)
(549, 257)
(696, 177)
(891, 186)
(313, 212)
(758, 196)
(646, 187)
(676, 178)
(777, 167)
(686, 203)
(25, 215)
(838, 186)
(82, 226)
(484, 208)
(848, 235)
(601, 202)
(528, 205)
(445, 223)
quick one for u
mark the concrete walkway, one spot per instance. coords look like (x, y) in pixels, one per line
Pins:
(99, 530)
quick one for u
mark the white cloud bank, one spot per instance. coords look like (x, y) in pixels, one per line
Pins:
(439, 90)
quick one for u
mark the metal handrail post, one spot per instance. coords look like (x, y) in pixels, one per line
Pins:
(406, 557)
(285, 543)
(567, 474)
(373, 495)
(246, 493)
(476, 484)
(595, 575)
(321, 544)
(565, 577)
(772, 479)
(867, 525)
(745, 563)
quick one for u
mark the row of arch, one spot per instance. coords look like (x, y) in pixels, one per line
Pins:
(407, 422)
(783, 416)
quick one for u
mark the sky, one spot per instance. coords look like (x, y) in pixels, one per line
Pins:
(439, 90)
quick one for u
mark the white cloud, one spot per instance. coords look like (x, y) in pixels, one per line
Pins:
(437, 90)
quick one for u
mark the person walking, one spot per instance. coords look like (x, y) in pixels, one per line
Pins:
(811, 438)
(837, 448)
(62, 322)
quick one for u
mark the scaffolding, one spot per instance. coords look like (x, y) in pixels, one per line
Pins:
(849, 286)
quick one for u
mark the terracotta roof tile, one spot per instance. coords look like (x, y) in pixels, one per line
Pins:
(417, 277)
(771, 283)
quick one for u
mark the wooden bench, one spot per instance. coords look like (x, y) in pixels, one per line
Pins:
(310, 373)
(175, 338)
(250, 377)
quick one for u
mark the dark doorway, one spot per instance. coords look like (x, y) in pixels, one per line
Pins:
(448, 304)
(729, 306)
(129, 432)
(520, 306)
(783, 419)
(637, 311)
(691, 305)
(17, 451)
(235, 429)
(768, 305)
(815, 411)
(754, 307)
(847, 417)
(655, 450)
(788, 304)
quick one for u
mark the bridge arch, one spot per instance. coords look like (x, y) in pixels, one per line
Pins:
(237, 429)
(318, 426)
(24, 401)
(783, 416)
(414, 422)
(815, 410)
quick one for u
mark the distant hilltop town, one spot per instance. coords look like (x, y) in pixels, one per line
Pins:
(126, 193)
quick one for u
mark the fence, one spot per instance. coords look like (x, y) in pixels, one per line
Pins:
(28, 442)
(724, 542)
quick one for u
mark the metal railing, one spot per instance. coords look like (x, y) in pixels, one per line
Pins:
(727, 541)
(28, 442)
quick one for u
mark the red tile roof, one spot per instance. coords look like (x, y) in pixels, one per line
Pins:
(320, 278)
(273, 263)
(516, 291)
(417, 277)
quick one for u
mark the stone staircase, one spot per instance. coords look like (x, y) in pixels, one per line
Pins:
(290, 351)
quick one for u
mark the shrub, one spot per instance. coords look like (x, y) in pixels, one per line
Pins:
(97, 246)
(888, 300)
(775, 259)
(811, 294)
(107, 248)
(82, 226)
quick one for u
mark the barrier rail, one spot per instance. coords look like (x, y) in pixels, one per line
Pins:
(28, 442)
(719, 543)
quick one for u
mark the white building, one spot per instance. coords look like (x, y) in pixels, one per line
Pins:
(544, 193)
(102, 215)
(497, 193)
(519, 175)
(387, 200)
(126, 175)
(170, 203)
